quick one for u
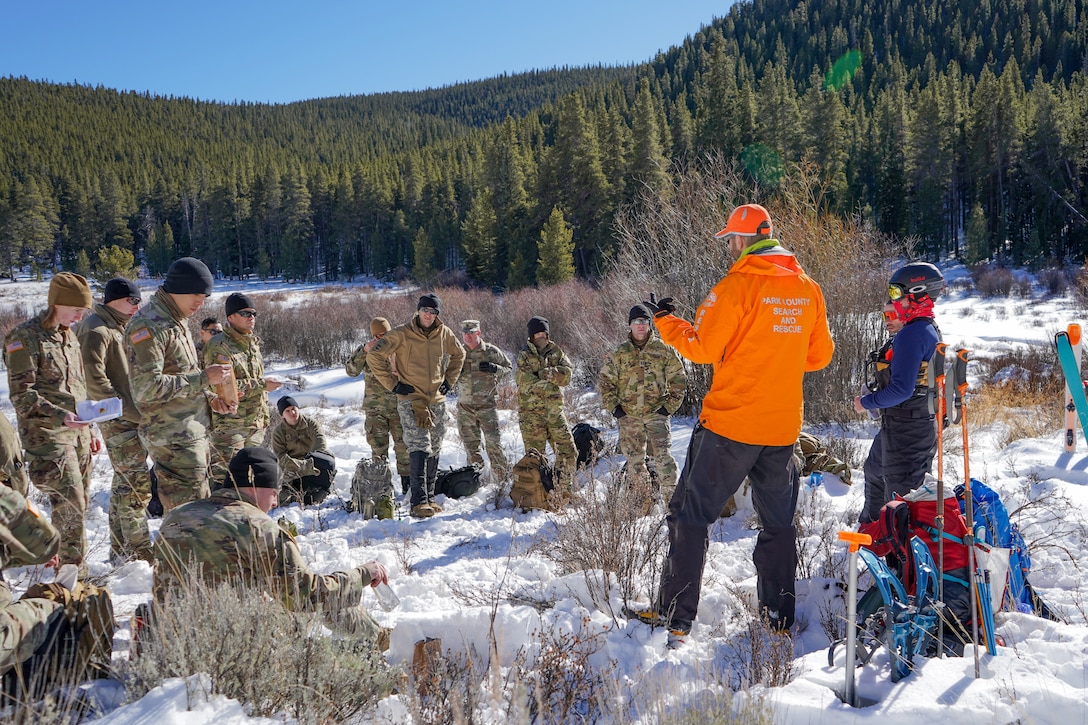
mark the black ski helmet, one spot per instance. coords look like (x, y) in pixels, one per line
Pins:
(916, 280)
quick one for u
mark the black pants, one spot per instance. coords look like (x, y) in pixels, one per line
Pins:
(308, 490)
(714, 470)
(898, 460)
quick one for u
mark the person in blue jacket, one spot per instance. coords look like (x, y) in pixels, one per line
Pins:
(903, 449)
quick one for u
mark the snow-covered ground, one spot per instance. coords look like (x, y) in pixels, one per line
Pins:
(1041, 676)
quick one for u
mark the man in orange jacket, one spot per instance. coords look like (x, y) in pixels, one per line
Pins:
(762, 327)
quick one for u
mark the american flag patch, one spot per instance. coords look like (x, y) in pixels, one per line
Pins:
(14, 346)
(222, 358)
(140, 335)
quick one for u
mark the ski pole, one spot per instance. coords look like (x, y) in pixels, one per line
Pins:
(961, 406)
(937, 366)
(855, 540)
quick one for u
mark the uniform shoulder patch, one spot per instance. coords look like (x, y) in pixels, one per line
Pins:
(222, 358)
(140, 335)
(14, 346)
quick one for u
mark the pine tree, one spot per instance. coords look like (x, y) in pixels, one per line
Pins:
(30, 233)
(479, 232)
(556, 261)
(647, 166)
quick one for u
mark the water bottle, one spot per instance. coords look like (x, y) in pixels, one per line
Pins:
(815, 479)
(387, 598)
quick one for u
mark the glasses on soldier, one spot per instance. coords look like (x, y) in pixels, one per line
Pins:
(134, 300)
(247, 313)
(641, 321)
(429, 310)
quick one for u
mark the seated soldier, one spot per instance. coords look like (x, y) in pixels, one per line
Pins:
(230, 537)
(34, 628)
(308, 469)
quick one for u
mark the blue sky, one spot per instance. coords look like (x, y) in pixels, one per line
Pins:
(282, 51)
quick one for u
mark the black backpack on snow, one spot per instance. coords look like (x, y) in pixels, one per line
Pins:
(458, 482)
(589, 443)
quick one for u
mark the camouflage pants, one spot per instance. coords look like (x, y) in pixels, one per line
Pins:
(649, 435)
(24, 626)
(225, 442)
(63, 473)
(181, 464)
(380, 426)
(428, 440)
(540, 427)
(474, 420)
(130, 491)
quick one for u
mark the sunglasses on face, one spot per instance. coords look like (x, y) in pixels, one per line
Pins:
(134, 300)
(640, 321)
(248, 314)
(429, 310)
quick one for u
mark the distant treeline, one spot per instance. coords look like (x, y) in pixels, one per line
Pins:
(960, 126)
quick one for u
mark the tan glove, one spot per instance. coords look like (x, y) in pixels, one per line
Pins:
(423, 414)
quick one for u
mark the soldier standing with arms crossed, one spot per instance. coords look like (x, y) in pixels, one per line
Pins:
(169, 386)
(45, 379)
(101, 340)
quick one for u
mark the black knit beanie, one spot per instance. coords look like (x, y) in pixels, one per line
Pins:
(537, 324)
(285, 402)
(188, 276)
(237, 301)
(120, 288)
(255, 467)
(636, 312)
(429, 300)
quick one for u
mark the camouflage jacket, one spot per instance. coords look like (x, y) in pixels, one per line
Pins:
(12, 468)
(541, 375)
(424, 359)
(45, 381)
(291, 443)
(168, 382)
(101, 340)
(375, 397)
(643, 379)
(243, 352)
(233, 540)
(475, 386)
(26, 536)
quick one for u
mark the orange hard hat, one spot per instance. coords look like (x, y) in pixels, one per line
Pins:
(747, 220)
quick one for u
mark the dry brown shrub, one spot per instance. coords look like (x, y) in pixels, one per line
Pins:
(993, 281)
(668, 247)
(1020, 391)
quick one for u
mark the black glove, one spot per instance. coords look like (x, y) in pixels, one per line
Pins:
(444, 388)
(618, 412)
(662, 307)
(403, 389)
(488, 367)
(662, 411)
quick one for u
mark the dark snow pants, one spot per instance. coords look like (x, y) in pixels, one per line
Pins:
(715, 468)
(899, 458)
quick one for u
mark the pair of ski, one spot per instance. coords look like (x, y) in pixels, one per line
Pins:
(1074, 401)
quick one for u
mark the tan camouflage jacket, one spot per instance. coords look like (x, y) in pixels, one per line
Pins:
(26, 536)
(12, 468)
(168, 382)
(424, 359)
(375, 397)
(475, 386)
(291, 443)
(45, 381)
(541, 375)
(243, 352)
(233, 540)
(644, 379)
(105, 362)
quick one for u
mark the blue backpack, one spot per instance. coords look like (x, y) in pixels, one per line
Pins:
(992, 526)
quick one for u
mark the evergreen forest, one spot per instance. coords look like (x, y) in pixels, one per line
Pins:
(960, 127)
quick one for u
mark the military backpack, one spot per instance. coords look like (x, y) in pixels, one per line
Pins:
(458, 482)
(534, 479)
(371, 483)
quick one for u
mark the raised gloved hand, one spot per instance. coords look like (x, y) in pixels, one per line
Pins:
(662, 307)
(403, 389)
(662, 410)
(444, 387)
(618, 412)
(488, 367)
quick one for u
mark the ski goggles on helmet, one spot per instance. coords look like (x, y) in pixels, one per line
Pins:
(895, 292)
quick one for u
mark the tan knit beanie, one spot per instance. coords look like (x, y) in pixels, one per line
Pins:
(379, 326)
(70, 290)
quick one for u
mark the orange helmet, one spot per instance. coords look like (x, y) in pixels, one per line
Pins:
(747, 220)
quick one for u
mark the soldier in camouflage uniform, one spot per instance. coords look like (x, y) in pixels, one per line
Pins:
(45, 378)
(543, 370)
(380, 406)
(643, 383)
(294, 441)
(168, 385)
(428, 361)
(476, 398)
(101, 340)
(231, 537)
(28, 539)
(12, 467)
(238, 347)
